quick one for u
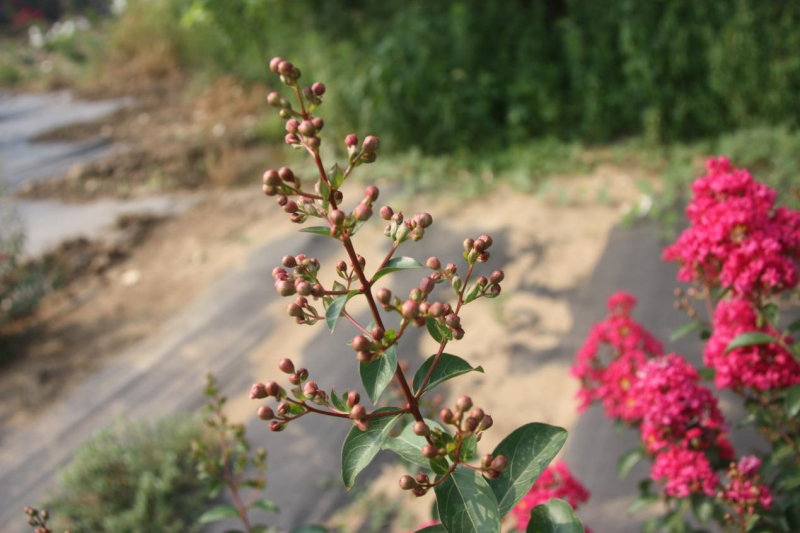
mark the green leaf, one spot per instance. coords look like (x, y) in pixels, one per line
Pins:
(706, 374)
(752, 521)
(378, 373)
(339, 402)
(440, 466)
(361, 447)
(750, 338)
(641, 502)
(466, 503)
(438, 528)
(685, 330)
(628, 460)
(219, 512)
(433, 329)
(529, 449)
(336, 176)
(472, 293)
(319, 230)
(469, 449)
(794, 326)
(448, 367)
(408, 444)
(309, 529)
(266, 505)
(334, 310)
(324, 190)
(395, 264)
(792, 405)
(703, 507)
(261, 529)
(771, 313)
(555, 516)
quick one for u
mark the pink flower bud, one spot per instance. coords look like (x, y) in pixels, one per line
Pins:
(286, 68)
(286, 174)
(499, 463)
(351, 140)
(286, 366)
(497, 276)
(371, 144)
(318, 88)
(291, 139)
(265, 412)
(273, 389)
(278, 273)
(410, 309)
(337, 217)
(386, 212)
(258, 391)
(274, 99)
(430, 451)
(421, 429)
(314, 142)
(362, 212)
(424, 219)
(307, 128)
(277, 426)
(290, 207)
(292, 125)
(271, 178)
(483, 257)
(464, 403)
(371, 193)
(384, 296)
(294, 310)
(353, 398)
(361, 343)
(288, 261)
(446, 415)
(458, 334)
(486, 423)
(285, 287)
(407, 482)
(378, 333)
(318, 123)
(486, 239)
(358, 412)
(274, 64)
(433, 263)
(426, 285)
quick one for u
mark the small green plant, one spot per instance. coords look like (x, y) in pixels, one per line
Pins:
(136, 477)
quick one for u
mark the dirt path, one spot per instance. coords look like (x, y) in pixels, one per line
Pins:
(237, 328)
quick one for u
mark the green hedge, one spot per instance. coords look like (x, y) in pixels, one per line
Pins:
(467, 74)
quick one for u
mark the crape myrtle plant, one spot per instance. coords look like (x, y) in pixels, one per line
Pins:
(740, 254)
(473, 490)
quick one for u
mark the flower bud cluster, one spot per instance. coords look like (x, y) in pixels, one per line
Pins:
(744, 492)
(302, 281)
(400, 229)
(344, 224)
(38, 520)
(477, 250)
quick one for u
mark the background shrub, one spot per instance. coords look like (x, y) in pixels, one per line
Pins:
(133, 478)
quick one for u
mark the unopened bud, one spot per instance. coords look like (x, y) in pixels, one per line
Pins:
(310, 388)
(283, 408)
(286, 68)
(337, 217)
(468, 244)
(421, 429)
(464, 403)
(486, 423)
(371, 144)
(378, 333)
(292, 125)
(364, 356)
(386, 212)
(497, 276)
(483, 257)
(318, 88)
(407, 482)
(286, 366)
(499, 463)
(458, 334)
(274, 99)
(286, 174)
(424, 219)
(446, 415)
(288, 261)
(265, 412)
(358, 412)
(285, 287)
(430, 451)
(274, 63)
(410, 309)
(353, 398)
(351, 140)
(258, 391)
(477, 414)
(318, 123)
(307, 128)
(433, 263)
(471, 424)
(271, 178)
(423, 479)
(362, 212)
(361, 343)
(384, 296)
(273, 389)
(371, 193)
(277, 426)
(487, 240)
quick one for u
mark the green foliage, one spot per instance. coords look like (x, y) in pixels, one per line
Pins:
(378, 373)
(467, 504)
(361, 447)
(465, 73)
(555, 516)
(135, 477)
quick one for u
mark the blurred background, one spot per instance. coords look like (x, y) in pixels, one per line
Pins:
(136, 247)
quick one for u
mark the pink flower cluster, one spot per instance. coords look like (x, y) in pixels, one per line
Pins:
(607, 377)
(675, 408)
(761, 367)
(685, 472)
(555, 482)
(679, 420)
(744, 489)
(737, 238)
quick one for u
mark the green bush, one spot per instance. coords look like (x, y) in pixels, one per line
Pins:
(474, 74)
(136, 477)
